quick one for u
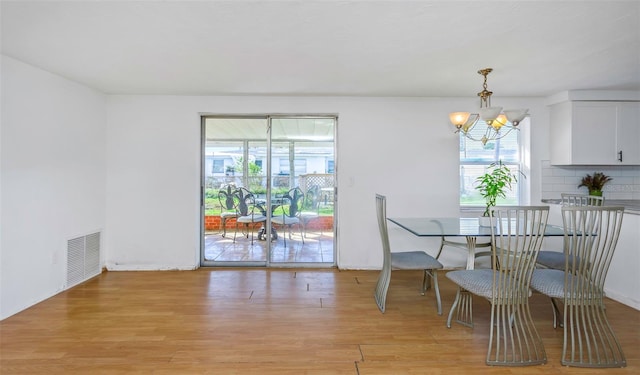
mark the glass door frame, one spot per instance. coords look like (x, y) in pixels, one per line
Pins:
(269, 178)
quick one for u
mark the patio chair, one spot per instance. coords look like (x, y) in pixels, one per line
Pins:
(408, 260)
(516, 238)
(555, 259)
(292, 203)
(590, 239)
(311, 208)
(248, 212)
(226, 198)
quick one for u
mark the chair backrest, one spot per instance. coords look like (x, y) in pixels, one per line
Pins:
(312, 198)
(590, 239)
(293, 202)
(517, 238)
(245, 201)
(226, 197)
(570, 199)
(381, 213)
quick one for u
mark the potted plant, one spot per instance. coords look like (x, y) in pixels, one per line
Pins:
(595, 183)
(494, 184)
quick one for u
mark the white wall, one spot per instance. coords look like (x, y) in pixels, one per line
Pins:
(402, 147)
(52, 180)
(60, 178)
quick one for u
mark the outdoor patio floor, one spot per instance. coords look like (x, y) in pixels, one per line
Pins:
(317, 248)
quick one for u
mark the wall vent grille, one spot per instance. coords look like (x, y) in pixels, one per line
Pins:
(83, 258)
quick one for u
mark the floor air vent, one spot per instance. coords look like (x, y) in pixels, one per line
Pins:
(83, 258)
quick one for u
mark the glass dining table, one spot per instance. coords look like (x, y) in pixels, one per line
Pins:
(467, 227)
(459, 227)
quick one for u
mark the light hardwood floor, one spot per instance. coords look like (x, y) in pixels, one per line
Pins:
(268, 321)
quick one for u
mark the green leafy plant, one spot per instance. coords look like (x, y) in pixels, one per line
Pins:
(494, 184)
(595, 183)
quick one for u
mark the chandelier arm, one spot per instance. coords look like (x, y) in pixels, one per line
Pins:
(493, 135)
(469, 136)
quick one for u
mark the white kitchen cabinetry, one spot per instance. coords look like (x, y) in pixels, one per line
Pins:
(595, 133)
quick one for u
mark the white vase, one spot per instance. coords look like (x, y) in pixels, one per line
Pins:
(486, 221)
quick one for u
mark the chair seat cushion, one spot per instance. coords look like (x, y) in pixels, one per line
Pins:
(227, 215)
(549, 282)
(287, 220)
(305, 215)
(414, 260)
(479, 282)
(252, 219)
(551, 259)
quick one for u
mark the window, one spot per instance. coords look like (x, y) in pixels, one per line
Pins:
(476, 157)
(218, 165)
(300, 166)
(330, 166)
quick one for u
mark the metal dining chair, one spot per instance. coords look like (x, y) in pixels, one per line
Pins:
(516, 239)
(590, 239)
(555, 259)
(407, 260)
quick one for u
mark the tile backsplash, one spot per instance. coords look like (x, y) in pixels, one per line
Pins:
(565, 179)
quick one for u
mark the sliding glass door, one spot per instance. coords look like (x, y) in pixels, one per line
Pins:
(268, 190)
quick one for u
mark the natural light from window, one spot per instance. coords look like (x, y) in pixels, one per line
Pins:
(476, 157)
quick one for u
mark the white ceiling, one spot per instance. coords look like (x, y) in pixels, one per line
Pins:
(368, 48)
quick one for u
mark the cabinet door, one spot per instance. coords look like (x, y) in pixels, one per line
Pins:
(594, 133)
(628, 133)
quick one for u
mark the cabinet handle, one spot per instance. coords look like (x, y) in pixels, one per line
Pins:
(619, 155)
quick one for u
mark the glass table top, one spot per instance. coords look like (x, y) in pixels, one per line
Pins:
(454, 226)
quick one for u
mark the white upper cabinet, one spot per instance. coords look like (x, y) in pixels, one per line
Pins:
(628, 133)
(595, 133)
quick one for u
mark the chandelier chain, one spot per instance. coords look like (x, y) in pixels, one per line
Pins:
(485, 95)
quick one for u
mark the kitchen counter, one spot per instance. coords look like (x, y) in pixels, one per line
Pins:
(631, 206)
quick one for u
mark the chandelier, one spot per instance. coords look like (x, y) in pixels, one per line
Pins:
(499, 123)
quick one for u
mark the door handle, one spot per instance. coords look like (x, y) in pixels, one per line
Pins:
(620, 155)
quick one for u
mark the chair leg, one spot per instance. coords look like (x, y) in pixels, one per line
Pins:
(382, 286)
(304, 226)
(463, 307)
(301, 235)
(284, 236)
(223, 222)
(428, 275)
(556, 313)
(513, 338)
(453, 308)
(235, 232)
(589, 340)
(434, 276)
